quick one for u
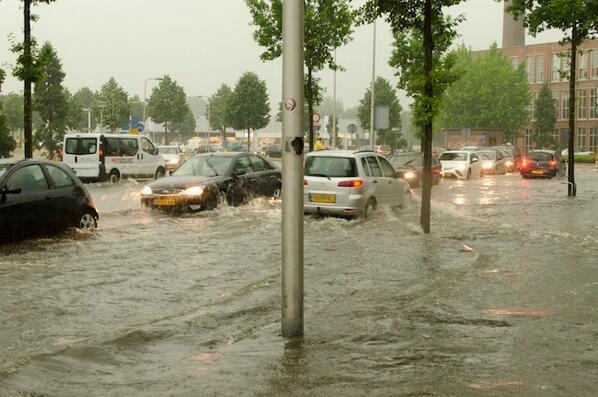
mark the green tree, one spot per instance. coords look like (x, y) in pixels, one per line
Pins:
(50, 100)
(423, 32)
(167, 104)
(490, 94)
(386, 95)
(136, 107)
(545, 119)
(249, 108)
(27, 70)
(112, 105)
(219, 103)
(77, 120)
(7, 142)
(578, 20)
(13, 109)
(328, 25)
(186, 127)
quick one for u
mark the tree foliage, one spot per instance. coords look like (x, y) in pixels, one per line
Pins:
(136, 107)
(386, 95)
(7, 142)
(219, 103)
(111, 105)
(545, 119)
(186, 126)
(167, 104)
(77, 118)
(328, 24)
(50, 100)
(489, 94)
(249, 108)
(13, 110)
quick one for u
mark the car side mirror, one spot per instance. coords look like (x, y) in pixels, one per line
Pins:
(238, 172)
(156, 151)
(474, 160)
(4, 191)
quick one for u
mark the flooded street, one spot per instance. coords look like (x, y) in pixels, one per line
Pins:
(501, 299)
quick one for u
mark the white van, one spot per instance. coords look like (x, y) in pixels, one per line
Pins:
(112, 156)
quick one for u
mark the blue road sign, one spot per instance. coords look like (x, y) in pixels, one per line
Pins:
(140, 127)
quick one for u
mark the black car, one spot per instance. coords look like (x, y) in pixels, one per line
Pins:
(39, 197)
(207, 180)
(274, 151)
(411, 168)
(542, 163)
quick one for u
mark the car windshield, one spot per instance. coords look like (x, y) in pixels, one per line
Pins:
(205, 166)
(539, 156)
(400, 160)
(330, 167)
(168, 150)
(489, 155)
(447, 156)
(4, 167)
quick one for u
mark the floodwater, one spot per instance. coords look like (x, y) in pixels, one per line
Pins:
(501, 299)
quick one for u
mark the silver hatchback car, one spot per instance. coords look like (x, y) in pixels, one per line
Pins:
(350, 184)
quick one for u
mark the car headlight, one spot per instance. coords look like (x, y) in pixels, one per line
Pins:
(173, 161)
(487, 165)
(193, 191)
(410, 175)
(147, 191)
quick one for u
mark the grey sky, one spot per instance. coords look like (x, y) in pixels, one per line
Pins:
(201, 44)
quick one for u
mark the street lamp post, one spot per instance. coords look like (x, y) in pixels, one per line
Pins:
(373, 92)
(145, 99)
(209, 126)
(88, 110)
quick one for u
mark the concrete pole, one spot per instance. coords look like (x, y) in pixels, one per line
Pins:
(209, 126)
(89, 120)
(292, 169)
(334, 106)
(373, 99)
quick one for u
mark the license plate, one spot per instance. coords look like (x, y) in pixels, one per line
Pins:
(322, 198)
(538, 172)
(164, 201)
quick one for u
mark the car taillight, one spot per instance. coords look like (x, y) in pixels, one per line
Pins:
(552, 164)
(101, 155)
(357, 183)
(305, 182)
(524, 163)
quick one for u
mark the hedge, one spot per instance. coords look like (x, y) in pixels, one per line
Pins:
(583, 158)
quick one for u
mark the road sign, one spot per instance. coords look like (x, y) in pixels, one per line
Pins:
(316, 117)
(140, 127)
(134, 131)
(351, 128)
(382, 117)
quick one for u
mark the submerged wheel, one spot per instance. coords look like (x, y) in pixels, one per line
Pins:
(277, 193)
(369, 208)
(114, 176)
(221, 199)
(87, 221)
(469, 173)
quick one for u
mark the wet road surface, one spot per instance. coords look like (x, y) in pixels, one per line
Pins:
(500, 300)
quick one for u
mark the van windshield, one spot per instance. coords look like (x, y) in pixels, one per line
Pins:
(330, 167)
(81, 146)
(446, 156)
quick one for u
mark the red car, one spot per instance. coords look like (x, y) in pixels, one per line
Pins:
(542, 163)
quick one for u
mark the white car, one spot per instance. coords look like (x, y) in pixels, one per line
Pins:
(172, 155)
(350, 184)
(460, 164)
(493, 162)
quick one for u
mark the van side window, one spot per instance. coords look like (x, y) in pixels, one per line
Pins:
(147, 146)
(129, 146)
(112, 147)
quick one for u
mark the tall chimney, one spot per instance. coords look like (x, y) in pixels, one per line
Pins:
(513, 32)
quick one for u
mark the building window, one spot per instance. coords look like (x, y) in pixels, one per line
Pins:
(529, 68)
(594, 64)
(564, 105)
(555, 137)
(560, 66)
(593, 146)
(532, 106)
(582, 104)
(515, 63)
(564, 138)
(581, 138)
(593, 103)
(539, 60)
(528, 140)
(583, 65)
(556, 67)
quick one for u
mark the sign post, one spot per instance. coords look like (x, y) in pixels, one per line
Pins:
(292, 169)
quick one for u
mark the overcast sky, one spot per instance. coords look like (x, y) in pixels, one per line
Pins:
(201, 44)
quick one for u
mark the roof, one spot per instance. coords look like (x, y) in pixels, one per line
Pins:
(338, 153)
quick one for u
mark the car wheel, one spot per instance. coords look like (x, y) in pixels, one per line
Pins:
(114, 176)
(277, 193)
(221, 199)
(369, 208)
(469, 173)
(159, 173)
(87, 221)
(435, 179)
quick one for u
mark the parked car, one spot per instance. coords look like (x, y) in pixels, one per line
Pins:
(510, 165)
(493, 162)
(208, 180)
(350, 184)
(513, 152)
(110, 157)
(412, 169)
(172, 155)
(542, 163)
(460, 164)
(39, 197)
(274, 151)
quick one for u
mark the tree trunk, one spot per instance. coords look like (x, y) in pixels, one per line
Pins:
(310, 108)
(28, 69)
(571, 187)
(248, 140)
(165, 133)
(427, 127)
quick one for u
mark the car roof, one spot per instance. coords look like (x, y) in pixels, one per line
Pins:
(457, 151)
(339, 153)
(543, 151)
